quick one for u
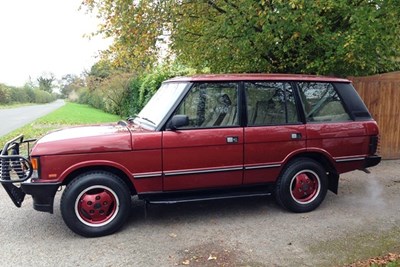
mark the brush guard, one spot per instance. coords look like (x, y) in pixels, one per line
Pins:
(14, 168)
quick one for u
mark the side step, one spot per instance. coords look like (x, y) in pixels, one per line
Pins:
(205, 198)
(194, 196)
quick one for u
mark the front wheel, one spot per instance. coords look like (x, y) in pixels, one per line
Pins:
(95, 204)
(302, 185)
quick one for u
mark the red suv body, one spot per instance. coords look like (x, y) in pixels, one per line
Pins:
(198, 138)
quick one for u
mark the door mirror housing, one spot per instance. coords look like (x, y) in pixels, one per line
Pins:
(178, 121)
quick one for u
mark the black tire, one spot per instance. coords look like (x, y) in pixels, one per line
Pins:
(95, 204)
(302, 185)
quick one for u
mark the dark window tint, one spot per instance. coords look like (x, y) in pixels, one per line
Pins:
(270, 103)
(322, 103)
(211, 105)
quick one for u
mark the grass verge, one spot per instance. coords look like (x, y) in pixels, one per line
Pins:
(359, 249)
(69, 115)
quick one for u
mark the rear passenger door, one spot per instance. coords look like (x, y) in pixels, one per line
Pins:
(274, 130)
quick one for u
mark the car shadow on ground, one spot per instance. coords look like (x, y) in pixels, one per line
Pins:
(189, 211)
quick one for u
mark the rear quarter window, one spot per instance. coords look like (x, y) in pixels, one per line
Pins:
(321, 103)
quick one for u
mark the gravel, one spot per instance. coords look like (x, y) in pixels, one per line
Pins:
(361, 222)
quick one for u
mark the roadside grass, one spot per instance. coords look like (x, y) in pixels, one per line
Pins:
(389, 260)
(360, 249)
(70, 114)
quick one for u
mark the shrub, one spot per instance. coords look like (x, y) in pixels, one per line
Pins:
(26, 94)
(4, 94)
(125, 94)
(83, 96)
(30, 94)
(42, 97)
(19, 95)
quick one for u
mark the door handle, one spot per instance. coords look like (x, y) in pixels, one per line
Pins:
(232, 139)
(296, 136)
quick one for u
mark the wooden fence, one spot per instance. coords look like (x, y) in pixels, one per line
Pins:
(381, 94)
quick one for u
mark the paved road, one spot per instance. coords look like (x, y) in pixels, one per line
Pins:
(14, 118)
(363, 220)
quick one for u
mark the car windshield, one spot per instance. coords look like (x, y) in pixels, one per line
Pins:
(159, 105)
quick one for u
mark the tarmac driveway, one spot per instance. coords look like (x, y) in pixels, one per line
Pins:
(14, 118)
(362, 221)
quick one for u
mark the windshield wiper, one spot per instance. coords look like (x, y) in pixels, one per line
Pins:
(145, 119)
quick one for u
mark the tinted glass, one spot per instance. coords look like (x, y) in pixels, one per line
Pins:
(322, 103)
(211, 105)
(270, 103)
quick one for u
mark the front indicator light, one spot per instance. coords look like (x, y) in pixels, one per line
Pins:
(35, 164)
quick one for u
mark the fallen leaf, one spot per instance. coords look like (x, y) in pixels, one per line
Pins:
(211, 257)
(173, 235)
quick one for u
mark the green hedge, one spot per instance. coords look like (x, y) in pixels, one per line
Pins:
(126, 94)
(11, 95)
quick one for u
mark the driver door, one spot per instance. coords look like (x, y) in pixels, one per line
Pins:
(207, 153)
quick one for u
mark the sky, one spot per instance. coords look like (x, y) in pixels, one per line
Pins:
(45, 36)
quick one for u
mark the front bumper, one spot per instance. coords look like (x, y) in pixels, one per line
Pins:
(42, 194)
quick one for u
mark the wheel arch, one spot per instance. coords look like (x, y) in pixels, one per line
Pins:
(326, 163)
(106, 168)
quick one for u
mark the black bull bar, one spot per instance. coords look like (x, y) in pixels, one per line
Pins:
(14, 168)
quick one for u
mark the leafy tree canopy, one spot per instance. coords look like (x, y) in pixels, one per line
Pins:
(340, 37)
(45, 82)
(71, 83)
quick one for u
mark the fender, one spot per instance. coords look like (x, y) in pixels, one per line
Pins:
(95, 163)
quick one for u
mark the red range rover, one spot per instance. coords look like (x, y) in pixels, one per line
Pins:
(200, 138)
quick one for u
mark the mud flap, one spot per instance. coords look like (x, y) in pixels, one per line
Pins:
(333, 182)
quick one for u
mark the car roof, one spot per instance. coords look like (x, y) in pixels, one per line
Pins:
(256, 77)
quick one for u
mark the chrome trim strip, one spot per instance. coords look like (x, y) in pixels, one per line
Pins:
(262, 166)
(173, 173)
(147, 175)
(350, 159)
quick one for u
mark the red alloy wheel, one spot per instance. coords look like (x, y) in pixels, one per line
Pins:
(305, 186)
(97, 206)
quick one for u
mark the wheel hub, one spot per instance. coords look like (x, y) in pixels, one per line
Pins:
(304, 187)
(96, 206)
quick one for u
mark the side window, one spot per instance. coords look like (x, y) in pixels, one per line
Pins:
(322, 103)
(211, 105)
(270, 103)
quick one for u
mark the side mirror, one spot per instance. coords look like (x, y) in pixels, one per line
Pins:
(178, 121)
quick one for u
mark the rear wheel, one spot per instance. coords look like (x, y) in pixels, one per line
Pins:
(302, 185)
(95, 204)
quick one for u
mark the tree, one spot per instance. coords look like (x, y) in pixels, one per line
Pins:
(135, 26)
(322, 37)
(70, 83)
(339, 37)
(46, 82)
